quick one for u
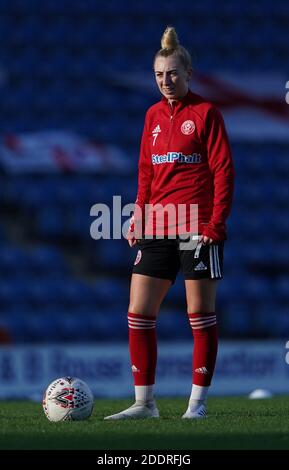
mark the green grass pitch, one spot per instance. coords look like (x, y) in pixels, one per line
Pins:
(232, 423)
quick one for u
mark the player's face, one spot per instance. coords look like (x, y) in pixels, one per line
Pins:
(171, 77)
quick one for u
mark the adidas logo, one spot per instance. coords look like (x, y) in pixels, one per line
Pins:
(202, 370)
(135, 369)
(200, 267)
(156, 130)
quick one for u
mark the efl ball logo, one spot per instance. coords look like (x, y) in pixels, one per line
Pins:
(68, 399)
(188, 127)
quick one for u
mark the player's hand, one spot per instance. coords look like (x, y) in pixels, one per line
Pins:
(130, 234)
(132, 242)
(206, 240)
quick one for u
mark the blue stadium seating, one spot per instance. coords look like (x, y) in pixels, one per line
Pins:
(238, 321)
(61, 62)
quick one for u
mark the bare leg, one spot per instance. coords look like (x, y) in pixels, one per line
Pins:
(201, 295)
(147, 294)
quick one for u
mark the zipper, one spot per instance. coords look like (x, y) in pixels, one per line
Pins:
(173, 109)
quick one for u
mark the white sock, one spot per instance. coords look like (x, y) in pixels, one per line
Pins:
(198, 393)
(144, 392)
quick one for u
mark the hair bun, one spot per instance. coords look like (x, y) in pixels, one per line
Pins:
(170, 39)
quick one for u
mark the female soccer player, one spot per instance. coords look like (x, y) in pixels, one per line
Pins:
(185, 159)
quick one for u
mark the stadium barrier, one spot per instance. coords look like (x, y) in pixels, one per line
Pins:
(242, 366)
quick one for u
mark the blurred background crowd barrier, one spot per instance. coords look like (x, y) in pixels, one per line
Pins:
(75, 82)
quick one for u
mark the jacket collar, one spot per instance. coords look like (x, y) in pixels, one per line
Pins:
(188, 98)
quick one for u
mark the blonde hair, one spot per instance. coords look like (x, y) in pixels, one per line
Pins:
(170, 45)
(170, 40)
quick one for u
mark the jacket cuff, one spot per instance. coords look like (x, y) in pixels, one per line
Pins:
(215, 232)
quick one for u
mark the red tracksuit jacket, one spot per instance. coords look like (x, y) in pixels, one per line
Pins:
(185, 158)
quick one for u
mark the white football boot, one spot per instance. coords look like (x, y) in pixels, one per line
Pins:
(140, 410)
(196, 410)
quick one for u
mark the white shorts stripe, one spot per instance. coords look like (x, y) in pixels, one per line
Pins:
(219, 267)
(211, 263)
(217, 263)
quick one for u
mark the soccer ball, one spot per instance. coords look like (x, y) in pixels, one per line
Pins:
(67, 399)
